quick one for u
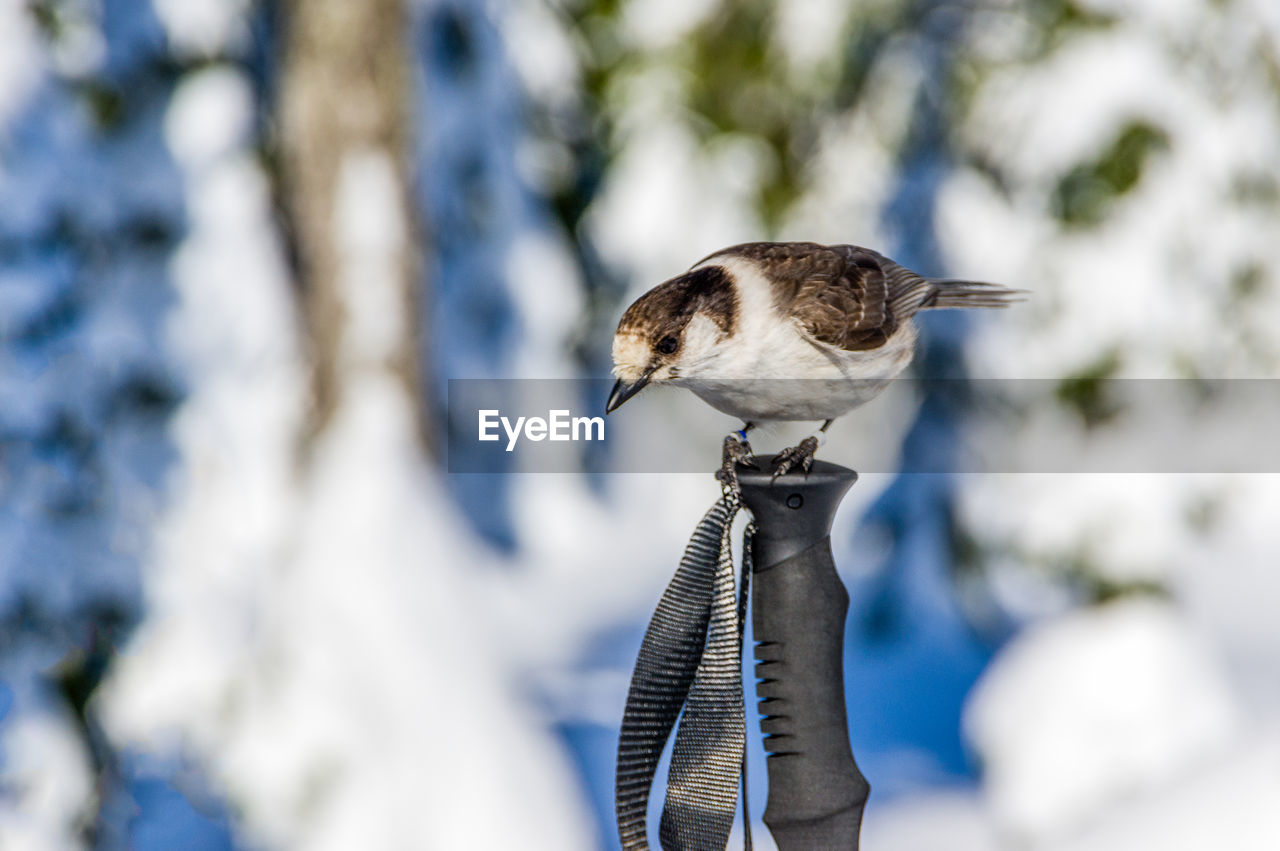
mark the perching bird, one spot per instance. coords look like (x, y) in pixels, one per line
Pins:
(782, 331)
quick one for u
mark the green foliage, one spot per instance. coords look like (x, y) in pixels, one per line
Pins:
(47, 15)
(1086, 392)
(1101, 589)
(105, 104)
(1064, 19)
(585, 135)
(864, 46)
(1054, 23)
(1085, 194)
(739, 84)
(1248, 280)
(1255, 188)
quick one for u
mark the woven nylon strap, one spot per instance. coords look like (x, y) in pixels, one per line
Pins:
(691, 657)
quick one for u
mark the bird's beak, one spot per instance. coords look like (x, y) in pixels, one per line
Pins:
(622, 391)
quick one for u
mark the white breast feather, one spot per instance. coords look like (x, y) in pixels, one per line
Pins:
(769, 369)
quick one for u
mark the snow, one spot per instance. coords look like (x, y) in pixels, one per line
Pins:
(210, 114)
(80, 48)
(1172, 16)
(1095, 84)
(369, 219)
(547, 64)
(955, 820)
(653, 25)
(20, 61)
(351, 665)
(203, 28)
(1087, 710)
(854, 167)
(350, 690)
(339, 673)
(1226, 802)
(666, 203)
(83, 393)
(1039, 121)
(1137, 723)
(46, 775)
(810, 32)
(1230, 587)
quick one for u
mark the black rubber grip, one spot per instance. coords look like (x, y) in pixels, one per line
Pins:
(816, 792)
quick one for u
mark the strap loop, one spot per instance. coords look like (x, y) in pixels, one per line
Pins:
(691, 657)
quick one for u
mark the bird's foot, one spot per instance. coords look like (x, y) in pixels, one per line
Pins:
(800, 455)
(736, 451)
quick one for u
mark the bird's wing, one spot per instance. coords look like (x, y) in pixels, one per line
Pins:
(848, 300)
(852, 298)
(842, 296)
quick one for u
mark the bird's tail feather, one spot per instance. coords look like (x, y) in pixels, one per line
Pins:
(951, 292)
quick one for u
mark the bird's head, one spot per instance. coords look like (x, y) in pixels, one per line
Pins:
(672, 331)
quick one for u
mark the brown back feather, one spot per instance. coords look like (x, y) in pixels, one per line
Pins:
(854, 298)
(845, 296)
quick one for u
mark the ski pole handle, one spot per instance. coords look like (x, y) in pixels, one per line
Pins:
(816, 792)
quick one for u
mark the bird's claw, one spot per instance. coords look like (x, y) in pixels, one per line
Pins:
(800, 455)
(736, 451)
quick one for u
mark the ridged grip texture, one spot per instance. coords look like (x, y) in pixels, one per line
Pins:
(816, 792)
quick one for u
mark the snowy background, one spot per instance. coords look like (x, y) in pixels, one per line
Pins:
(242, 607)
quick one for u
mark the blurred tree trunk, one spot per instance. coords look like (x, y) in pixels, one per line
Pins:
(343, 109)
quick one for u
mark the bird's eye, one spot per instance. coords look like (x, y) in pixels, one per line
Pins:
(667, 345)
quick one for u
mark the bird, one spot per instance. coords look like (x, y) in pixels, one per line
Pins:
(782, 331)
